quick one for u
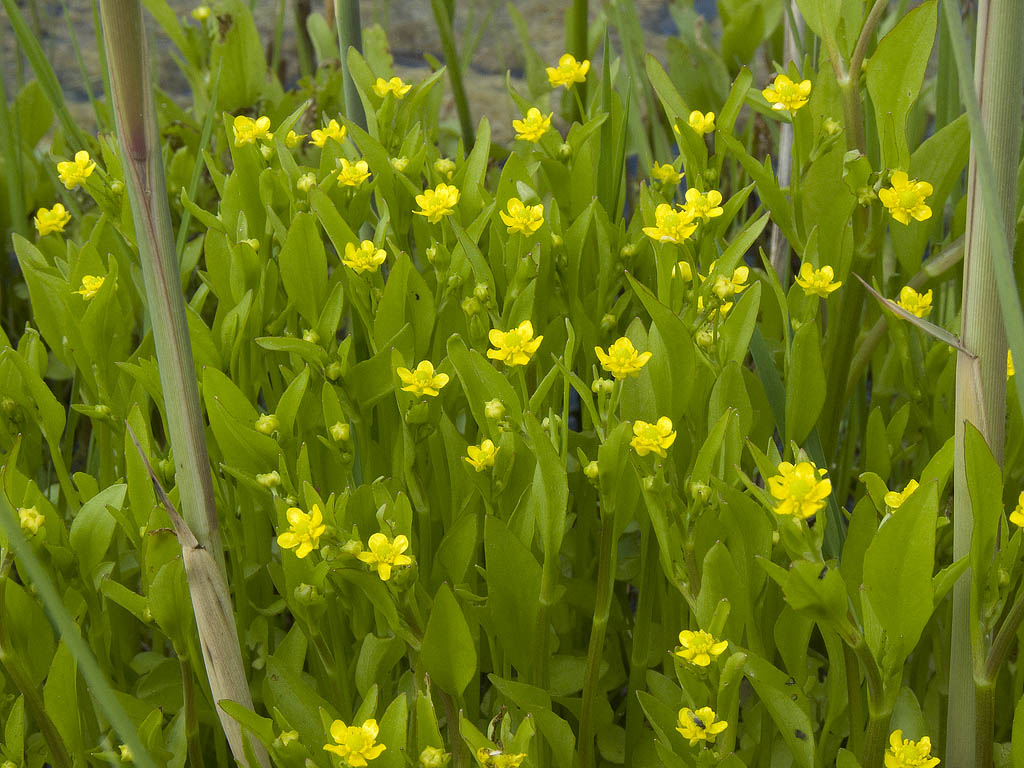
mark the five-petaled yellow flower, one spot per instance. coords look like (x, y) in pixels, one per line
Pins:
(622, 359)
(304, 531)
(366, 258)
(917, 304)
(90, 286)
(75, 172)
(533, 125)
(706, 205)
(905, 198)
(247, 130)
(482, 456)
(894, 499)
(293, 139)
(568, 71)
(904, 753)
(701, 725)
(352, 174)
(800, 489)
(653, 438)
(49, 220)
(334, 131)
(423, 380)
(385, 554)
(666, 174)
(785, 94)
(395, 86)
(495, 758)
(30, 519)
(702, 123)
(525, 219)
(817, 282)
(1017, 515)
(671, 225)
(514, 347)
(699, 647)
(437, 202)
(355, 744)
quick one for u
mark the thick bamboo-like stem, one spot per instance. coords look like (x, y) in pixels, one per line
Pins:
(779, 252)
(350, 35)
(443, 17)
(981, 383)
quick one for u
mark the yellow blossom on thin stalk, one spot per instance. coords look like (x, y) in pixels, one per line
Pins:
(622, 359)
(366, 258)
(904, 753)
(785, 94)
(91, 285)
(30, 519)
(1017, 515)
(304, 530)
(817, 282)
(666, 174)
(917, 304)
(75, 172)
(513, 347)
(706, 205)
(293, 139)
(356, 745)
(894, 499)
(422, 381)
(482, 456)
(700, 647)
(352, 174)
(437, 202)
(653, 438)
(702, 123)
(671, 225)
(201, 12)
(800, 489)
(522, 218)
(49, 220)
(495, 758)
(568, 71)
(395, 86)
(700, 725)
(384, 554)
(333, 130)
(247, 130)
(905, 198)
(533, 125)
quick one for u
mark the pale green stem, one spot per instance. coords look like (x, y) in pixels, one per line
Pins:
(350, 35)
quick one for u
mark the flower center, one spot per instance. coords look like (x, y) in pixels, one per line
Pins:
(908, 197)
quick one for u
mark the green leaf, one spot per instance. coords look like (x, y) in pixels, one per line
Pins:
(549, 492)
(482, 382)
(304, 267)
(985, 485)
(805, 390)
(60, 697)
(513, 590)
(788, 706)
(93, 527)
(260, 727)
(448, 652)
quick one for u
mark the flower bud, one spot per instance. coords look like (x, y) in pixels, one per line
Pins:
(399, 163)
(269, 480)
(700, 491)
(565, 151)
(267, 424)
(340, 431)
(431, 253)
(471, 306)
(434, 757)
(831, 127)
(648, 482)
(166, 469)
(266, 150)
(306, 182)
(591, 470)
(286, 739)
(252, 242)
(308, 334)
(117, 186)
(865, 195)
(333, 370)
(306, 594)
(1004, 577)
(445, 166)
(775, 537)
(352, 547)
(704, 338)
(8, 406)
(556, 240)
(608, 322)
(482, 292)
(126, 753)
(628, 251)
(723, 288)
(710, 176)
(494, 409)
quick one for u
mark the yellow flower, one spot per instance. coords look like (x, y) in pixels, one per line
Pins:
(1017, 516)
(304, 530)
(352, 174)
(666, 174)
(125, 753)
(683, 270)
(671, 225)
(286, 737)
(49, 220)
(725, 286)
(293, 139)
(366, 258)
(699, 647)
(568, 71)
(702, 123)
(905, 198)
(495, 758)
(385, 554)
(525, 219)
(437, 202)
(817, 282)
(514, 347)
(267, 423)
(434, 757)
(894, 499)
(90, 286)
(533, 125)
(1009, 364)
(652, 438)
(75, 172)
(481, 457)
(201, 12)
(332, 131)
(706, 205)
(917, 304)
(622, 359)
(395, 86)
(903, 753)
(422, 381)
(31, 519)
(801, 490)
(355, 744)
(701, 725)
(247, 130)
(785, 94)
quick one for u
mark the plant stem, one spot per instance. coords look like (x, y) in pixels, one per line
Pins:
(195, 750)
(350, 35)
(874, 741)
(577, 46)
(1005, 638)
(641, 633)
(984, 729)
(454, 64)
